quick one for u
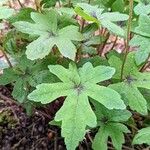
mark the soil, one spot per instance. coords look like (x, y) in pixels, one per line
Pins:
(21, 132)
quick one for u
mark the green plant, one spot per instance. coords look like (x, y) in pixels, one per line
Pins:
(56, 52)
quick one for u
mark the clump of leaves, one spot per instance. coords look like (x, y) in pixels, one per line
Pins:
(98, 91)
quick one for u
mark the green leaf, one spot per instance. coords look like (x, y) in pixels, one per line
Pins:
(113, 115)
(43, 76)
(20, 90)
(22, 15)
(74, 125)
(110, 130)
(116, 60)
(142, 40)
(85, 16)
(143, 28)
(36, 50)
(8, 76)
(132, 80)
(109, 121)
(144, 49)
(45, 26)
(5, 12)
(132, 96)
(143, 136)
(78, 84)
(97, 15)
(146, 94)
(118, 5)
(142, 9)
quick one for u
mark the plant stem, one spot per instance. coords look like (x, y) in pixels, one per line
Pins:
(89, 1)
(128, 36)
(69, 3)
(37, 4)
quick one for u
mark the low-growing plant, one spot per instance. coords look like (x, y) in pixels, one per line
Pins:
(58, 50)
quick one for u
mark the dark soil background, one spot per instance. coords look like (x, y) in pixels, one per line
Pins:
(21, 132)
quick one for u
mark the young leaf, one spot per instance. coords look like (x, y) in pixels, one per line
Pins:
(20, 90)
(110, 130)
(142, 39)
(110, 125)
(78, 84)
(45, 26)
(143, 136)
(8, 76)
(132, 81)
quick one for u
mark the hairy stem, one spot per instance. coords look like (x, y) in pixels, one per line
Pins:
(128, 37)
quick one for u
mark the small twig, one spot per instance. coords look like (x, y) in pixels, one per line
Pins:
(69, 3)
(102, 46)
(7, 99)
(114, 43)
(17, 144)
(82, 25)
(128, 37)
(21, 5)
(6, 57)
(80, 147)
(38, 112)
(123, 146)
(37, 4)
(88, 135)
(145, 66)
(55, 142)
(78, 54)
(59, 3)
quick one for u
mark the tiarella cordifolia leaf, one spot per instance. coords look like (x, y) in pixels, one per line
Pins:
(49, 35)
(143, 136)
(78, 84)
(106, 19)
(142, 40)
(132, 81)
(109, 121)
